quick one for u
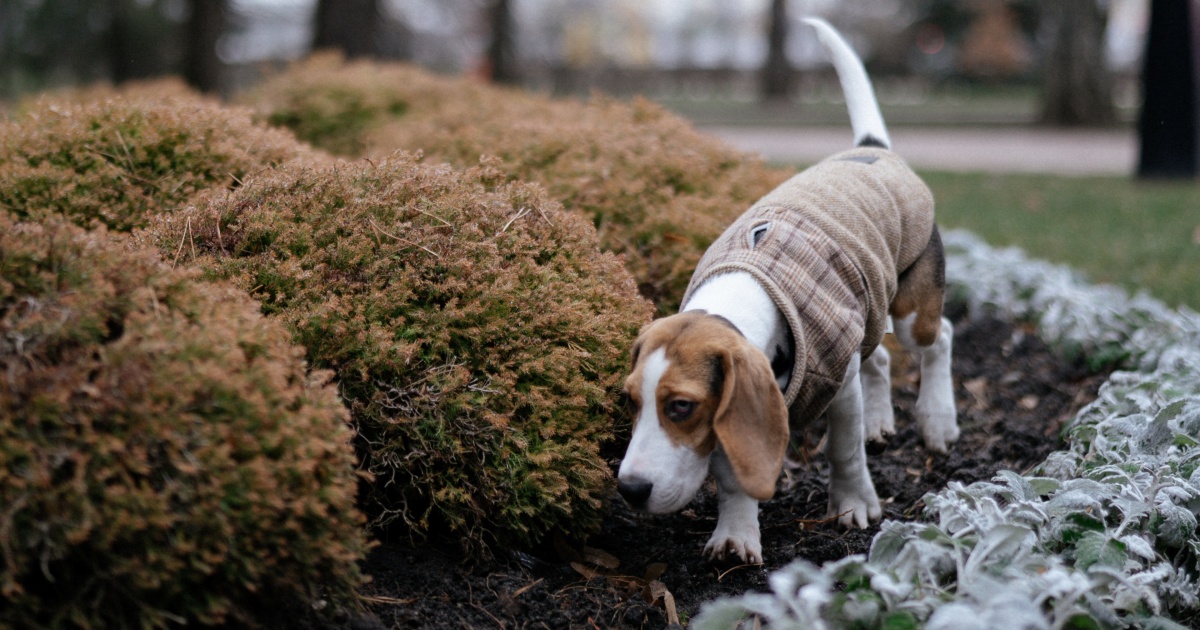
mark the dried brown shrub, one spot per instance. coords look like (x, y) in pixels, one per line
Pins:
(113, 158)
(656, 190)
(476, 330)
(165, 456)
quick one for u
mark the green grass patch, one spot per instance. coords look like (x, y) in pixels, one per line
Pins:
(1139, 235)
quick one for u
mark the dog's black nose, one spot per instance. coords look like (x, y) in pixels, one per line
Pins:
(635, 490)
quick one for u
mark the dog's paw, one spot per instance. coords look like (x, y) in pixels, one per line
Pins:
(745, 546)
(938, 430)
(854, 505)
(727, 549)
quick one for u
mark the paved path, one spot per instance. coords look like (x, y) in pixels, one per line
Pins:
(999, 150)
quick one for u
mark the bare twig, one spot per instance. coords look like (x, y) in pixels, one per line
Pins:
(380, 230)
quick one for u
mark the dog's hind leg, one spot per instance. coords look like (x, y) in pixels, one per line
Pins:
(917, 314)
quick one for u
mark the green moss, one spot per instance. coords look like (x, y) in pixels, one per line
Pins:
(116, 159)
(165, 456)
(656, 191)
(476, 331)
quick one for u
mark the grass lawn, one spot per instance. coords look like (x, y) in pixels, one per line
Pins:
(1114, 230)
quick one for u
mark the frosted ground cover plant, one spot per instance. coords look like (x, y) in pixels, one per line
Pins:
(1102, 534)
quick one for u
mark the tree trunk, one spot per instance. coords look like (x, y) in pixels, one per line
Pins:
(351, 26)
(202, 66)
(1077, 86)
(1167, 125)
(502, 51)
(120, 57)
(777, 72)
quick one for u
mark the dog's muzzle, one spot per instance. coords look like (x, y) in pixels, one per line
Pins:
(636, 491)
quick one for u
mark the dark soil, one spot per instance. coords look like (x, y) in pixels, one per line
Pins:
(1013, 396)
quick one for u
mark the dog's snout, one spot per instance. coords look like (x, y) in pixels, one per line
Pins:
(635, 490)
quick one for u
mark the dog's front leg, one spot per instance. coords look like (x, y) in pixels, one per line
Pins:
(737, 518)
(879, 420)
(852, 497)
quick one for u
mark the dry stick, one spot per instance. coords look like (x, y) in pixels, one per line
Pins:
(721, 576)
(380, 230)
(182, 238)
(434, 216)
(520, 213)
(517, 593)
(389, 601)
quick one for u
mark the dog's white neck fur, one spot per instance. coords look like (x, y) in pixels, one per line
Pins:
(738, 297)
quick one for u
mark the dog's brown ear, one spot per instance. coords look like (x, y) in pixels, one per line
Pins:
(751, 421)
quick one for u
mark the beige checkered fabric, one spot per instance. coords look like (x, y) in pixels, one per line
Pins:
(828, 245)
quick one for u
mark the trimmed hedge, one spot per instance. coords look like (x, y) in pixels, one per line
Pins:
(657, 191)
(477, 333)
(114, 159)
(165, 457)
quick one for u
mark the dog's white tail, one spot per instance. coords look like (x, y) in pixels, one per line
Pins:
(865, 117)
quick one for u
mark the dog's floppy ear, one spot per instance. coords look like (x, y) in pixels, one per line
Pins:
(751, 421)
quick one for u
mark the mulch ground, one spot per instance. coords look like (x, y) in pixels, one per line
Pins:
(1013, 396)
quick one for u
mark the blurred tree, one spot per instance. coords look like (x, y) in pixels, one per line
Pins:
(351, 26)
(64, 42)
(777, 72)
(502, 50)
(1076, 82)
(1167, 125)
(202, 67)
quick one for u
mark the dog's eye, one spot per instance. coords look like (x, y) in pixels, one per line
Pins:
(679, 410)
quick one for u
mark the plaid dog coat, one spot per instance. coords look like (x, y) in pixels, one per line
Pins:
(828, 245)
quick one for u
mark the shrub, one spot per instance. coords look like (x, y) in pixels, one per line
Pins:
(476, 331)
(114, 158)
(657, 191)
(165, 457)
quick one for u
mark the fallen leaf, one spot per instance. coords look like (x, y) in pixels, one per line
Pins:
(656, 591)
(978, 388)
(600, 558)
(585, 570)
(655, 571)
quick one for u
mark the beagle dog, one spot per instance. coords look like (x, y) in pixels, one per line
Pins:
(782, 322)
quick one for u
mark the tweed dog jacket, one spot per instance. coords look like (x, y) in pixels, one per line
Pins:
(828, 245)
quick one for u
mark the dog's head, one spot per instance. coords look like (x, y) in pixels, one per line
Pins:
(698, 383)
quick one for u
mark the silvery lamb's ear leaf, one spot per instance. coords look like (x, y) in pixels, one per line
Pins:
(1139, 546)
(1097, 548)
(1044, 486)
(723, 615)
(955, 616)
(1091, 487)
(889, 542)
(1159, 623)
(1177, 524)
(1185, 440)
(1158, 433)
(1188, 420)
(900, 620)
(999, 548)
(1019, 487)
(1059, 465)
(1072, 501)
(1081, 621)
